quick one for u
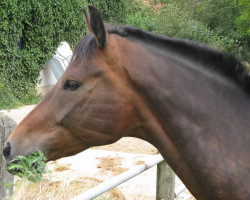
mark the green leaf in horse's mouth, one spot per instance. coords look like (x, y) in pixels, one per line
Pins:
(31, 167)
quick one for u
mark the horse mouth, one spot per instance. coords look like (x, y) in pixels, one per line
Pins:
(24, 165)
(13, 170)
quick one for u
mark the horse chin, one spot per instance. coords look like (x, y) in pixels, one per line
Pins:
(54, 154)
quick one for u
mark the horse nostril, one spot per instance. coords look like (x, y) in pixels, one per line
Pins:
(6, 151)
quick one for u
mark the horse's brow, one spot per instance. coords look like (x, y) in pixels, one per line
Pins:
(98, 74)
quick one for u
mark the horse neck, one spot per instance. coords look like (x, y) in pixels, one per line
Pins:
(190, 107)
(172, 85)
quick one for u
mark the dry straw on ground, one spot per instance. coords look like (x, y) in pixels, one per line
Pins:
(111, 164)
(65, 183)
(62, 184)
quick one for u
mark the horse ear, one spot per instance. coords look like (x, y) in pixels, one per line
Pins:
(96, 25)
(87, 19)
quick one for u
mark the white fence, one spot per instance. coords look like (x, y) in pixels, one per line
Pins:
(121, 178)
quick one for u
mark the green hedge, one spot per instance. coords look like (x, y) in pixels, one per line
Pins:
(40, 25)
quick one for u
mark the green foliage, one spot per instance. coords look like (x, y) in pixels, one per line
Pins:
(172, 20)
(8, 100)
(139, 15)
(219, 16)
(229, 21)
(243, 20)
(141, 21)
(30, 168)
(221, 24)
(40, 25)
(113, 11)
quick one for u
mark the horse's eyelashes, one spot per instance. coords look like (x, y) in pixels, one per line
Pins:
(71, 85)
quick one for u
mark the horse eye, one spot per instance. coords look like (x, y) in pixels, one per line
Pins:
(71, 85)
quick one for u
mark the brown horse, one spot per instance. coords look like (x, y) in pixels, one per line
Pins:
(191, 102)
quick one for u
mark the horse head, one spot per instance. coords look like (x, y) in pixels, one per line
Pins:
(89, 106)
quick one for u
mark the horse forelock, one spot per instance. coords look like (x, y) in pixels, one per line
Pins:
(210, 58)
(84, 49)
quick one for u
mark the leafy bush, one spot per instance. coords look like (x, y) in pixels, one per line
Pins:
(39, 26)
(182, 19)
(30, 32)
(140, 15)
(113, 11)
(219, 16)
(143, 22)
(243, 23)
(7, 99)
(172, 20)
(198, 32)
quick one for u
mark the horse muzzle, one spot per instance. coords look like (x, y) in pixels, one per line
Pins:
(7, 153)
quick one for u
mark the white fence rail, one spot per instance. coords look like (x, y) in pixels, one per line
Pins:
(121, 178)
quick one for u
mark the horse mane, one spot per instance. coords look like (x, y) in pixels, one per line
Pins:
(223, 63)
